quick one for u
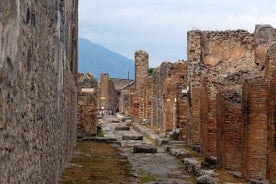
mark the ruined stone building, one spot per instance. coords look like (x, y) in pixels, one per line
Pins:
(222, 98)
(38, 94)
(113, 94)
(87, 105)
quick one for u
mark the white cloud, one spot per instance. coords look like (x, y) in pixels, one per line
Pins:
(160, 26)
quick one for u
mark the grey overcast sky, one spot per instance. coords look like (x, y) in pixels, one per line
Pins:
(160, 26)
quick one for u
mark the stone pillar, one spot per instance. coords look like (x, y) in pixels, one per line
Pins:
(270, 61)
(255, 135)
(264, 35)
(141, 68)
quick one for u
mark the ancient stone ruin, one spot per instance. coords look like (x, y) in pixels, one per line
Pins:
(222, 99)
(87, 105)
(38, 94)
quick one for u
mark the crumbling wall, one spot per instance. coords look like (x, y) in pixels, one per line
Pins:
(124, 98)
(38, 95)
(264, 36)
(109, 96)
(87, 105)
(159, 76)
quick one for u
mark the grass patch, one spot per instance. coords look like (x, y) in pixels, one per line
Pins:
(96, 163)
(145, 177)
(100, 134)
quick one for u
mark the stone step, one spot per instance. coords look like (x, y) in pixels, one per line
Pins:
(123, 128)
(132, 137)
(177, 143)
(144, 149)
(99, 139)
(115, 121)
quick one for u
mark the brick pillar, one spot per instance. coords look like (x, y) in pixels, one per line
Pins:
(271, 173)
(194, 73)
(169, 104)
(229, 124)
(182, 111)
(134, 104)
(255, 110)
(141, 68)
(149, 98)
(104, 91)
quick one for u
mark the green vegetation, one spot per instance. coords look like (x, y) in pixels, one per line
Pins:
(145, 177)
(96, 163)
(100, 134)
(150, 71)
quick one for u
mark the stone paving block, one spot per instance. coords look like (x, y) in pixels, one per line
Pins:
(144, 149)
(123, 128)
(132, 137)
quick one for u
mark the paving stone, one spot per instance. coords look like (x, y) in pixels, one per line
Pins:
(122, 128)
(144, 149)
(132, 137)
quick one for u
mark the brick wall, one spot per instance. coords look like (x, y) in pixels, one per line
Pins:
(159, 76)
(194, 54)
(229, 124)
(255, 111)
(87, 105)
(170, 91)
(271, 169)
(109, 96)
(38, 94)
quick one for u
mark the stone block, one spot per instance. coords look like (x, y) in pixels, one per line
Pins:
(122, 128)
(132, 137)
(144, 149)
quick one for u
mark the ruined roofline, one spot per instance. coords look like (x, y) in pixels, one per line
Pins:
(127, 85)
(257, 26)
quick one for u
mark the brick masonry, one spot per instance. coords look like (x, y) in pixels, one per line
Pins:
(255, 110)
(38, 94)
(271, 173)
(229, 125)
(218, 110)
(87, 105)
(109, 96)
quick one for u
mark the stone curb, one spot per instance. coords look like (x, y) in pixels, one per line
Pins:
(153, 137)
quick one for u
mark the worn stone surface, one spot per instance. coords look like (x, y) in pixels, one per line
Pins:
(38, 94)
(87, 105)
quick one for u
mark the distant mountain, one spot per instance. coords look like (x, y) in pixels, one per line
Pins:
(96, 59)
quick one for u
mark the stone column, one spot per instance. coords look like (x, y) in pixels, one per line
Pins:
(104, 91)
(141, 68)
